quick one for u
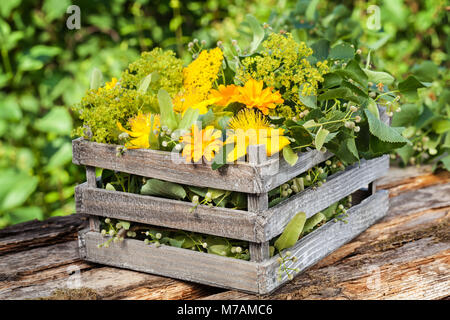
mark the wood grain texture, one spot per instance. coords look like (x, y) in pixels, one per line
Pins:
(259, 224)
(312, 200)
(165, 166)
(169, 213)
(173, 262)
(32, 234)
(326, 239)
(227, 272)
(242, 176)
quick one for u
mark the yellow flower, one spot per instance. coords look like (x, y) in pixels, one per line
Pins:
(226, 94)
(182, 102)
(109, 85)
(254, 96)
(198, 78)
(142, 126)
(250, 127)
(199, 143)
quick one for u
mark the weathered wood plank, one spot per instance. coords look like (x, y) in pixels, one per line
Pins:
(320, 243)
(165, 166)
(242, 176)
(32, 234)
(169, 213)
(312, 201)
(284, 172)
(174, 262)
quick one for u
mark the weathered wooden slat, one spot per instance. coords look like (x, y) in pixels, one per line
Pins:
(286, 172)
(236, 224)
(165, 166)
(32, 234)
(320, 243)
(242, 176)
(173, 262)
(258, 226)
(312, 200)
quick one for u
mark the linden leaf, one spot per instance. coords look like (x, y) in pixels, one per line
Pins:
(383, 131)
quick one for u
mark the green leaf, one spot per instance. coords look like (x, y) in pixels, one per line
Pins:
(408, 115)
(125, 224)
(96, 79)
(313, 221)
(378, 76)
(216, 193)
(337, 93)
(321, 49)
(189, 118)
(301, 135)
(311, 10)
(110, 187)
(176, 243)
(289, 155)
(330, 211)
(219, 249)
(309, 101)
(145, 83)
(441, 126)
(373, 108)
(446, 162)
(320, 137)
(383, 131)
(342, 51)
(58, 120)
(18, 190)
(291, 232)
(427, 71)
(331, 80)
(258, 32)
(351, 146)
(23, 214)
(167, 114)
(159, 188)
(409, 87)
(405, 153)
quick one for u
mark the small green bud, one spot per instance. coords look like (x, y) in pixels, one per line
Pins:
(146, 241)
(290, 276)
(103, 232)
(158, 236)
(238, 249)
(112, 232)
(107, 220)
(328, 162)
(288, 254)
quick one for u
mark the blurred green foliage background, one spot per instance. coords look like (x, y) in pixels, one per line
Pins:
(45, 67)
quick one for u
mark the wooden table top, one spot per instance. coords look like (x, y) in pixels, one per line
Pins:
(404, 256)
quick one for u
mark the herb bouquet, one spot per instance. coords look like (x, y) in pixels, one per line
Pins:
(274, 102)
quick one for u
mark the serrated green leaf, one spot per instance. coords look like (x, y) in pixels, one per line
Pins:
(342, 51)
(383, 131)
(408, 115)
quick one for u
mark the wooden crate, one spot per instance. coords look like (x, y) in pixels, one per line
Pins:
(258, 225)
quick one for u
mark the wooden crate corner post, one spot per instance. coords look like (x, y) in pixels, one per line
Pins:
(94, 221)
(258, 203)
